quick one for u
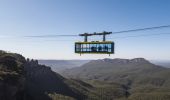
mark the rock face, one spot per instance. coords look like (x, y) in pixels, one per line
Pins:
(122, 61)
(12, 80)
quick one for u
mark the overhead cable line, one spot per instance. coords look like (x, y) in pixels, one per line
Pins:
(117, 32)
(49, 36)
(142, 35)
(142, 29)
(122, 37)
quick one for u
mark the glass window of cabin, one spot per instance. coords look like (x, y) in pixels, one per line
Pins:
(78, 47)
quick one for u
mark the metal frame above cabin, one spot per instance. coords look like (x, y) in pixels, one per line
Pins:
(94, 47)
(91, 34)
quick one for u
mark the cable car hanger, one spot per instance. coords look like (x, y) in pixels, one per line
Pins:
(90, 34)
(94, 47)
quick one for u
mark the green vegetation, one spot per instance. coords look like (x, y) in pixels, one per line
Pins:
(55, 96)
(150, 96)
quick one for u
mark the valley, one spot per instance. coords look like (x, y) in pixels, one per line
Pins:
(104, 79)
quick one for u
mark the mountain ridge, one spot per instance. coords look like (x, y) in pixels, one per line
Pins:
(138, 75)
(120, 65)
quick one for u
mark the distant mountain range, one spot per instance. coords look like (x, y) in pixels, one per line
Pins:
(60, 65)
(105, 68)
(164, 63)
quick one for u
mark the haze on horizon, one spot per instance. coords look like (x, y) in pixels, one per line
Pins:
(58, 17)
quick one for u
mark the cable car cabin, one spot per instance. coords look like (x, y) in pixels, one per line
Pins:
(94, 47)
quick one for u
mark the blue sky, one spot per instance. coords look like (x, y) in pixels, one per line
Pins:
(20, 18)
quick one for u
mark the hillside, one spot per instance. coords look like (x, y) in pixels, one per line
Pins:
(138, 75)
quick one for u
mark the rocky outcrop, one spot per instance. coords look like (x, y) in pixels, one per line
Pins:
(22, 79)
(12, 80)
(123, 61)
